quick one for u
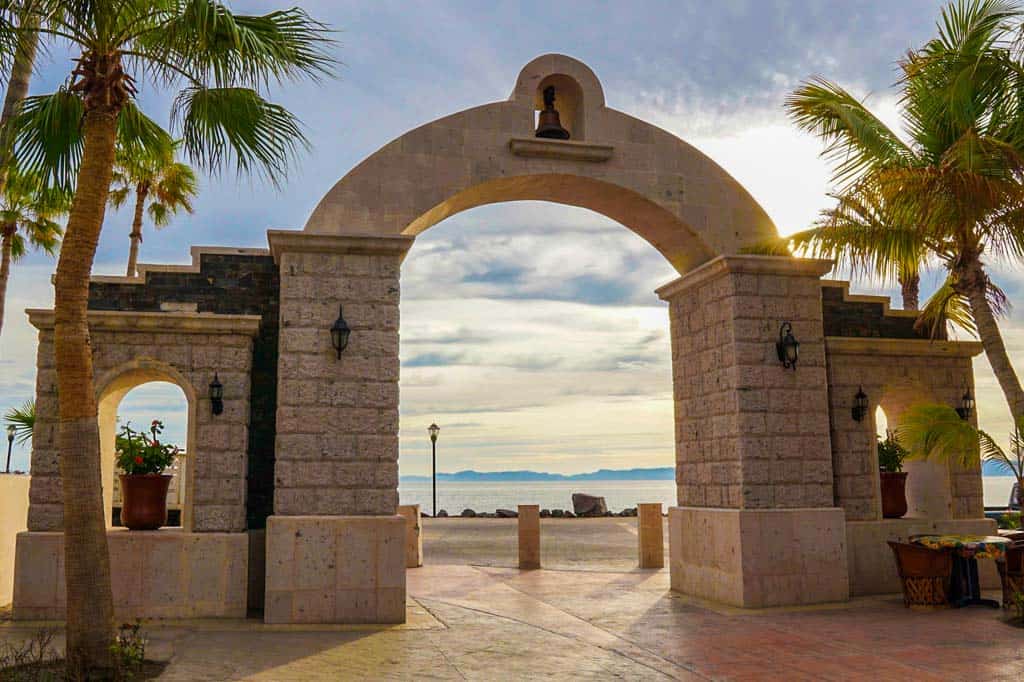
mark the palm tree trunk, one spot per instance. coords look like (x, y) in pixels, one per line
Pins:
(17, 89)
(910, 290)
(975, 284)
(136, 235)
(5, 266)
(86, 559)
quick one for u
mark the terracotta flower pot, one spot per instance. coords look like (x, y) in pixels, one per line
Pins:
(894, 494)
(144, 500)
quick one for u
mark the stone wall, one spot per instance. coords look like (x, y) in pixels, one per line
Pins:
(895, 374)
(853, 315)
(749, 433)
(134, 348)
(224, 281)
(337, 418)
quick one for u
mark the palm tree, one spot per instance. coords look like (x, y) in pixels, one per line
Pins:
(23, 419)
(938, 432)
(157, 178)
(27, 212)
(953, 191)
(17, 85)
(219, 63)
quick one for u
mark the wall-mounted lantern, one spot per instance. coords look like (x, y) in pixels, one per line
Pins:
(860, 405)
(340, 332)
(216, 395)
(966, 405)
(787, 346)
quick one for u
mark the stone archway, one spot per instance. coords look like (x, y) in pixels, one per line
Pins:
(738, 412)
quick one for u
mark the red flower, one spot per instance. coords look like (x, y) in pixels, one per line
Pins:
(138, 460)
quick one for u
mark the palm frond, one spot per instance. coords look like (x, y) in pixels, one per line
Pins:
(937, 432)
(23, 419)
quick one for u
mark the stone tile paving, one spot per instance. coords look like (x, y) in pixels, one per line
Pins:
(496, 623)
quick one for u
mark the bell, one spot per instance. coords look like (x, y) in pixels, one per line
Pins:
(549, 125)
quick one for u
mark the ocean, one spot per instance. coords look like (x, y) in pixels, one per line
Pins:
(486, 496)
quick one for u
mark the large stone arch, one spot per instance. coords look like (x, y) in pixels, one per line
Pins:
(657, 185)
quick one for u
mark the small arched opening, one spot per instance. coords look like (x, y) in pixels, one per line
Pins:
(137, 394)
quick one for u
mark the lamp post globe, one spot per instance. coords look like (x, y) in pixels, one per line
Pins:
(433, 430)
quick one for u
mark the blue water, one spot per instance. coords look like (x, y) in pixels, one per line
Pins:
(488, 496)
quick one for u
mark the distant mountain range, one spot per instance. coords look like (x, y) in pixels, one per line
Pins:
(652, 474)
(655, 474)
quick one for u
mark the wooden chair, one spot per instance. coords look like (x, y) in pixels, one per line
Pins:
(925, 575)
(1011, 571)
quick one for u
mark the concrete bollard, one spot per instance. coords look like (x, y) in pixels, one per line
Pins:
(413, 536)
(650, 535)
(529, 536)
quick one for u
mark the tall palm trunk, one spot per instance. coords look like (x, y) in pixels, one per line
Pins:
(17, 89)
(136, 235)
(7, 237)
(86, 561)
(910, 291)
(975, 285)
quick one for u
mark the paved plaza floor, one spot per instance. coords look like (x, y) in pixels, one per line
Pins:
(604, 620)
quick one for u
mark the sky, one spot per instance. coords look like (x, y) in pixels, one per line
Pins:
(530, 331)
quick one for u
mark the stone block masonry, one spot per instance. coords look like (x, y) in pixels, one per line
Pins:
(337, 418)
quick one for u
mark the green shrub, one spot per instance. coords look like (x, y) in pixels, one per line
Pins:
(890, 453)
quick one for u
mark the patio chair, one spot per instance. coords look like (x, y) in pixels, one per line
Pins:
(925, 575)
(1011, 571)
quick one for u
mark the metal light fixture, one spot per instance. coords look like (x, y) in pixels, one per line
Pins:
(433, 430)
(787, 347)
(216, 395)
(966, 405)
(860, 405)
(11, 429)
(340, 332)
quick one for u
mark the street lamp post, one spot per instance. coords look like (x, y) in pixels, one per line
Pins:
(433, 430)
(10, 443)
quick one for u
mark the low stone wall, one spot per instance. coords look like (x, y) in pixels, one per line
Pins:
(162, 574)
(13, 516)
(759, 558)
(872, 565)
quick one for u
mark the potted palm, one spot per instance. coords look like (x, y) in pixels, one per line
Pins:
(143, 458)
(892, 477)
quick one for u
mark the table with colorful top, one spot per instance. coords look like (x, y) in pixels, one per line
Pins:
(966, 549)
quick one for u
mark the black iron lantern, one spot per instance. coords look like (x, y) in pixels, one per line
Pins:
(433, 429)
(966, 405)
(860, 405)
(787, 346)
(216, 395)
(340, 332)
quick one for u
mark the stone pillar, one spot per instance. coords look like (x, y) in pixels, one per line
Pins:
(650, 535)
(336, 463)
(413, 536)
(755, 525)
(529, 536)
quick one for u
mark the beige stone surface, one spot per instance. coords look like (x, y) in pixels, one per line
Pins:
(650, 535)
(750, 434)
(872, 567)
(663, 189)
(529, 536)
(130, 349)
(759, 558)
(335, 569)
(337, 418)
(13, 519)
(413, 535)
(156, 574)
(896, 374)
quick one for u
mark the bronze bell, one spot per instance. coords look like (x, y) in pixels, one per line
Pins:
(549, 125)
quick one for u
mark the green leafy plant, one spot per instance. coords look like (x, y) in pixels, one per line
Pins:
(1010, 521)
(1017, 602)
(23, 419)
(129, 650)
(891, 453)
(142, 453)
